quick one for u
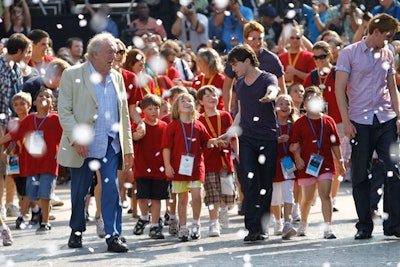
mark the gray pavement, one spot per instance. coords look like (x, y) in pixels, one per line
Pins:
(30, 249)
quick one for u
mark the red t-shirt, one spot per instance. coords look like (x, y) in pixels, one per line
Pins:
(173, 73)
(305, 62)
(173, 138)
(303, 134)
(164, 83)
(148, 162)
(281, 153)
(166, 118)
(212, 156)
(43, 64)
(45, 163)
(133, 92)
(328, 94)
(218, 80)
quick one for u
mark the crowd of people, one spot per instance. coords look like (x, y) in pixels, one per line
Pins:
(255, 109)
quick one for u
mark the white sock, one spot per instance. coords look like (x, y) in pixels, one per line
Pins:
(196, 222)
(36, 209)
(3, 227)
(145, 217)
(172, 216)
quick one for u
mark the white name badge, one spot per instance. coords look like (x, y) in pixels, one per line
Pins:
(288, 168)
(186, 165)
(12, 164)
(314, 164)
(36, 143)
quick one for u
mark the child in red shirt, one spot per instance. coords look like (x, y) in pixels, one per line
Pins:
(148, 168)
(218, 162)
(314, 138)
(183, 143)
(42, 132)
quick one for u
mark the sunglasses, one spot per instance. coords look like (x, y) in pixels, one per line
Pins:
(120, 52)
(295, 38)
(323, 56)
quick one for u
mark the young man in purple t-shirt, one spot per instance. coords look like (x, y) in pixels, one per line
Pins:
(256, 91)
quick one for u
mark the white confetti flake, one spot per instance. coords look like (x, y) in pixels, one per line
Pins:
(82, 134)
(128, 185)
(94, 165)
(138, 42)
(77, 80)
(3, 116)
(83, 23)
(148, 170)
(262, 148)
(162, 169)
(211, 207)
(115, 127)
(386, 65)
(333, 138)
(157, 154)
(390, 174)
(261, 159)
(385, 216)
(91, 249)
(255, 118)
(159, 22)
(201, 249)
(106, 180)
(250, 175)
(370, 176)
(95, 78)
(315, 105)
(59, 26)
(263, 192)
(379, 191)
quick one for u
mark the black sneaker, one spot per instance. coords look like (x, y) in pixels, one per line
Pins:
(161, 223)
(139, 227)
(156, 233)
(166, 219)
(253, 237)
(43, 229)
(36, 217)
(19, 223)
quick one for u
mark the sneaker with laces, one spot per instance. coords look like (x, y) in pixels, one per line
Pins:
(183, 234)
(7, 237)
(213, 230)
(36, 217)
(12, 210)
(288, 231)
(139, 227)
(44, 229)
(301, 231)
(3, 213)
(156, 232)
(100, 227)
(195, 234)
(19, 223)
(223, 219)
(173, 226)
(328, 234)
(278, 227)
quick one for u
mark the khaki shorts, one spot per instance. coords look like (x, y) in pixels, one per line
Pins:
(185, 186)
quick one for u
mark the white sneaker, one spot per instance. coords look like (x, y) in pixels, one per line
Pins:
(213, 231)
(278, 227)
(288, 231)
(7, 237)
(183, 234)
(3, 213)
(301, 231)
(12, 210)
(100, 227)
(56, 201)
(223, 219)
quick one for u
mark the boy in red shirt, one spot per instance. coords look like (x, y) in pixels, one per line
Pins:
(218, 162)
(149, 167)
(42, 132)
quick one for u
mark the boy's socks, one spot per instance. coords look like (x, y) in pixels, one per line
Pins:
(36, 209)
(145, 217)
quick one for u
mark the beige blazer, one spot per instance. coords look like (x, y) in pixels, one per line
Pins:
(77, 104)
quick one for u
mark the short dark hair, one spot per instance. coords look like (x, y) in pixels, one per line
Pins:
(71, 40)
(241, 53)
(17, 41)
(37, 34)
(150, 100)
(384, 23)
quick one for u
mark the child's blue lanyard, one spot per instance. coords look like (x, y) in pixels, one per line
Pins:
(284, 144)
(187, 144)
(40, 124)
(319, 141)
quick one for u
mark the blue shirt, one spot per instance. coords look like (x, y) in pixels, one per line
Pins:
(394, 10)
(107, 118)
(311, 26)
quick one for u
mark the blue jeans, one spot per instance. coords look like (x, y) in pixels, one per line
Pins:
(379, 137)
(111, 206)
(256, 180)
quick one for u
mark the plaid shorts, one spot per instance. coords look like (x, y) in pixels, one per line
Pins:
(212, 188)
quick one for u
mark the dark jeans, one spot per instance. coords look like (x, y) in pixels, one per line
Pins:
(379, 137)
(377, 180)
(256, 180)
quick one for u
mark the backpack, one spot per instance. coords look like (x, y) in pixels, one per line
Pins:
(314, 76)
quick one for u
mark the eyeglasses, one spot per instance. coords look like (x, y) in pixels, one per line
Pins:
(295, 37)
(120, 52)
(323, 56)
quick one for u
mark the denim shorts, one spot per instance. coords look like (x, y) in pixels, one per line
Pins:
(40, 186)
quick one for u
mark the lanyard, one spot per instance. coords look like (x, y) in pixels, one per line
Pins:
(215, 134)
(40, 124)
(203, 80)
(284, 144)
(319, 141)
(295, 59)
(322, 83)
(188, 146)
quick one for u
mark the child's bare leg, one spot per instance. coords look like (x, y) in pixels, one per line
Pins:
(182, 208)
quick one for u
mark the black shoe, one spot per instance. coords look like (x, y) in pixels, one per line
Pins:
(19, 223)
(156, 232)
(139, 227)
(116, 245)
(44, 229)
(396, 234)
(75, 239)
(166, 219)
(36, 217)
(253, 237)
(361, 234)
